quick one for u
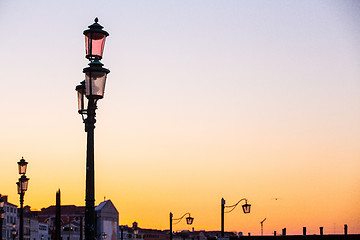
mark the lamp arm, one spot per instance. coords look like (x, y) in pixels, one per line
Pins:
(234, 206)
(179, 219)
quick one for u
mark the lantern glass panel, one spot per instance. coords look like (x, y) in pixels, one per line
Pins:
(189, 220)
(2, 214)
(24, 185)
(18, 187)
(22, 169)
(1, 202)
(246, 208)
(94, 44)
(95, 84)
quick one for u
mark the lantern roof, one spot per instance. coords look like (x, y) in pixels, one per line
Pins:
(22, 162)
(95, 66)
(96, 28)
(23, 178)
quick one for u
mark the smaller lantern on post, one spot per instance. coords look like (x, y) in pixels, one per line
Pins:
(82, 100)
(22, 166)
(1, 201)
(2, 213)
(95, 41)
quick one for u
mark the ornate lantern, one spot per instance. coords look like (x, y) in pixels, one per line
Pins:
(95, 41)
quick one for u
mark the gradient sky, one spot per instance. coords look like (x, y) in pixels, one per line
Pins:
(205, 99)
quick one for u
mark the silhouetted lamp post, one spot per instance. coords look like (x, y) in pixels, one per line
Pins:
(121, 232)
(245, 207)
(89, 92)
(22, 186)
(13, 231)
(189, 221)
(2, 214)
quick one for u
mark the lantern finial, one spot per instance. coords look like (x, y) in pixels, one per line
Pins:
(96, 20)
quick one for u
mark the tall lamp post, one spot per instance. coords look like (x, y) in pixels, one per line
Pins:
(89, 92)
(245, 207)
(2, 215)
(22, 186)
(189, 221)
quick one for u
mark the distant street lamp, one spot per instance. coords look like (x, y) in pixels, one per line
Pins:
(22, 186)
(121, 232)
(103, 235)
(89, 92)
(189, 221)
(13, 231)
(2, 214)
(245, 207)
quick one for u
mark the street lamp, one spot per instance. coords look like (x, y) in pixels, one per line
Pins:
(2, 214)
(102, 235)
(245, 207)
(121, 232)
(89, 92)
(13, 231)
(189, 221)
(22, 186)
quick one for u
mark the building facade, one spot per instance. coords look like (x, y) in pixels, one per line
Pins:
(10, 218)
(107, 221)
(72, 219)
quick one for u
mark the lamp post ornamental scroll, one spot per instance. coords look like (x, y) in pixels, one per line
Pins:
(245, 207)
(189, 221)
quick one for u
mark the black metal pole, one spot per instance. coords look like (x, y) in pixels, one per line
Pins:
(222, 216)
(90, 231)
(121, 233)
(58, 216)
(1, 224)
(81, 228)
(21, 230)
(171, 226)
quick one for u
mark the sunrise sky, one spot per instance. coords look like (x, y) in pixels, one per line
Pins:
(206, 99)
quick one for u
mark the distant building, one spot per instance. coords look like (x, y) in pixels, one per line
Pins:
(43, 231)
(31, 224)
(107, 220)
(10, 218)
(72, 221)
(137, 233)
